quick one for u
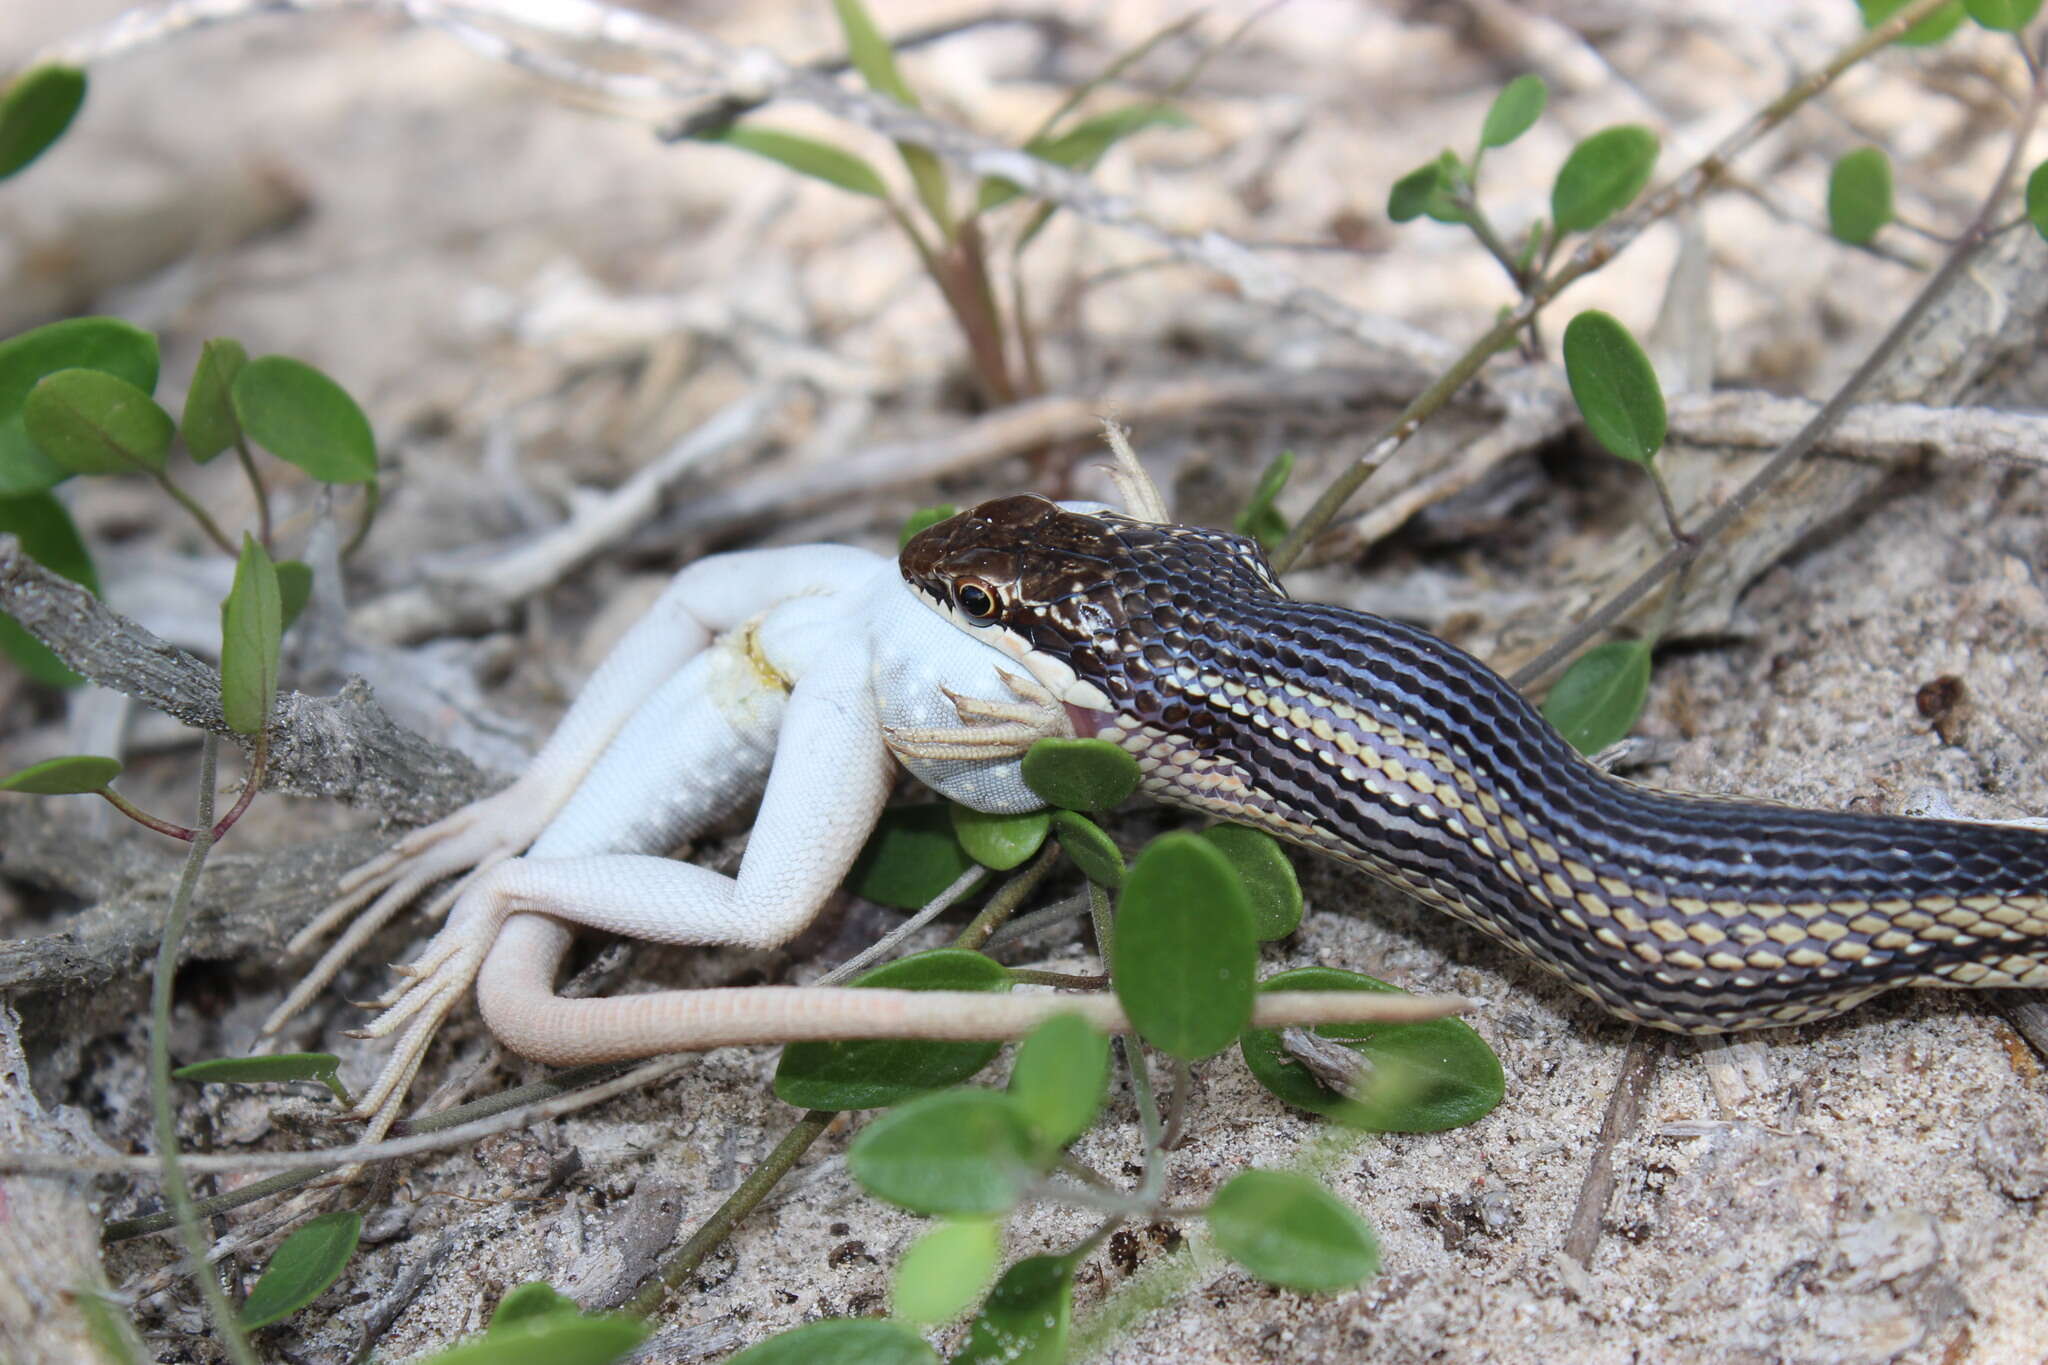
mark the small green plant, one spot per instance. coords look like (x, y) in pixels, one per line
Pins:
(952, 238)
(1182, 946)
(1602, 176)
(77, 399)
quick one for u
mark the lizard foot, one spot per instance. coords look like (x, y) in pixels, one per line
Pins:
(988, 728)
(471, 841)
(434, 983)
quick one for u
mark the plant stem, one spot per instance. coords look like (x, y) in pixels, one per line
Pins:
(1482, 228)
(253, 783)
(206, 523)
(227, 822)
(143, 817)
(1066, 981)
(1679, 534)
(737, 1205)
(1104, 921)
(165, 1114)
(372, 494)
(1149, 1122)
(248, 463)
(1008, 897)
(1177, 1102)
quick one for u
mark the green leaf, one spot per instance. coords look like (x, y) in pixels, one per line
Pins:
(302, 1267)
(1184, 952)
(1080, 774)
(251, 623)
(529, 1302)
(805, 156)
(323, 1068)
(1601, 176)
(1514, 111)
(549, 1339)
(209, 425)
(1429, 190)
(108, 1328)
(872, 57)
(1061, 1075)
(841, 1341)
(1614, 385)
(1422, 1077)
(867, 1073)
(1094, 852)
(2037, 199)
(34, 112)
(92, 422)
(945, 1270)
(71, 775)
(958, 1151)
(922, 518)
(1860, 195)
(911, 857)
(1080, 147)
(49, 537)
(1928, 31)
(119, 348)
(304, 418)
(1260, 519)
(999, 841)
(871, 54)
(2004, 16)
(1288, 1230)
(1268, 876)
(1025, 1320)
(1597, 700)
(294, 589)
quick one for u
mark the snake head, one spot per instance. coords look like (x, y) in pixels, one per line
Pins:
(1082, 597)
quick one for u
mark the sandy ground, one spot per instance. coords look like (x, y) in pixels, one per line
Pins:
(528, 297)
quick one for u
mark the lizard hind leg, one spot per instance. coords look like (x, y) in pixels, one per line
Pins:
(677, 767)
(831, 778)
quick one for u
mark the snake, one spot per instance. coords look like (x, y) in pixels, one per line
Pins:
(1396, 752)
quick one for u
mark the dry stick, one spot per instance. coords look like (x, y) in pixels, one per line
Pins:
(808, 1129)
(425, 1138)
(342, 746)
(1624, 1107)
(1952, 269)
(1590, 255)
(537, 1093)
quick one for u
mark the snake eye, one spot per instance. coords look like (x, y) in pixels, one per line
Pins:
(977, 603)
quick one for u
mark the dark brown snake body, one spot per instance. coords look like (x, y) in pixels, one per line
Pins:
(1382, 745)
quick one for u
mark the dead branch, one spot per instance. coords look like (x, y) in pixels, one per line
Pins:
(344, 747)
